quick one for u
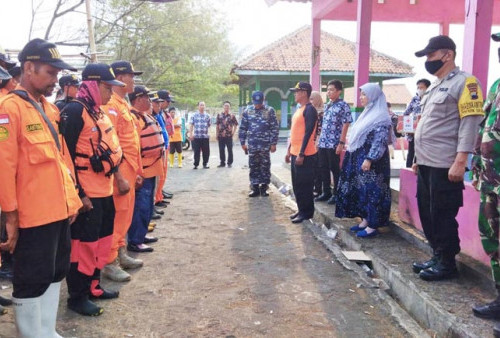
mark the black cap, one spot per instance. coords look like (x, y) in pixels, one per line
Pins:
(304, 86)
(155, 97)
(165, 95)
(4, 75)
(43, 51)
(5, 58)
(138, 91)
(437, 43)
(15, 71)
(495, 37)
(124, 67)
(69, 80)
(257, 97)
(101, 72)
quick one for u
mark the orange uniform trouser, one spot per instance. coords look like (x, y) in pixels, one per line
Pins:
(161, 181)
(124, 210)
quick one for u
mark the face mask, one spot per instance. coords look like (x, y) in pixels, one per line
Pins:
(420, 92)
(433, 66)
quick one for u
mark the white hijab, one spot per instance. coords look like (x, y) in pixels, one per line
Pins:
(374, 115)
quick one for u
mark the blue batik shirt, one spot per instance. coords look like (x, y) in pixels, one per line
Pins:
(413, 107)
(200, 123)
(336, 114)
(259, 127)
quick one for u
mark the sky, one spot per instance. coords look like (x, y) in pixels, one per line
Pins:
(253, 25)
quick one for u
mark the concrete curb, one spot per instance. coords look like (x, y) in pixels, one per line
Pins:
(402, 291)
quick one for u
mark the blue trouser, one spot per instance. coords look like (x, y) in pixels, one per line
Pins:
(144, 201)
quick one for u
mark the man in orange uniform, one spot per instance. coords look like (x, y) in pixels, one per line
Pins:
(38, 195)
(96, 152)
(302, 152)
(153, 153)
(118, 111)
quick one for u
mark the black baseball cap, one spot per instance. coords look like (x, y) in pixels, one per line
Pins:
(4, 75)
(101, 72)
(155, 97)
(495, 37)
(165, 95)
(302, 86)
(437, 43)
(257, 97)
(138, 91)
(15, 71)
(6, 59)
(69, 80)
(124, 67)
(43, 51)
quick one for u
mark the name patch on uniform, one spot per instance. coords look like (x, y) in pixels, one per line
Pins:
(4, 119)
(34, 127)
(93, 129)
(112, 112)
(471, 101)
(4, 133)
(443, 89)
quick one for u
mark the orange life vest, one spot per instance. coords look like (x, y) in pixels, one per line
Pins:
(152, 143)
(98, 154)
(297, 133)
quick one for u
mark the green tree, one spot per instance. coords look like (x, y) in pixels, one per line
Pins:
(181, 46)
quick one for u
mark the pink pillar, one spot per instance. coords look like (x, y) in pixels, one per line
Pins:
(444, 28)
(478, 20)
(315, 76)
(362, 70)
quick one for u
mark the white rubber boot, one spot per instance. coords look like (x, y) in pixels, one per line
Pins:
(27, 313)
(49, 304)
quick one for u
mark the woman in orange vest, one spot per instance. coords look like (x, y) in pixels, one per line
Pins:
(302, 152)
(96, 152)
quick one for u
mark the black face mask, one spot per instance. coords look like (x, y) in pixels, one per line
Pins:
(433, 66)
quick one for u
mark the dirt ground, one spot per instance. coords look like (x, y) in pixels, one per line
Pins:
(229, 266)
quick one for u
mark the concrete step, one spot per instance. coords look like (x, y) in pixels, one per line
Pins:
(445, 307)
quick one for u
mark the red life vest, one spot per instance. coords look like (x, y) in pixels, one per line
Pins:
(152, 143)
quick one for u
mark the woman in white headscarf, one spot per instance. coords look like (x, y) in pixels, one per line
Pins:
(364, 189)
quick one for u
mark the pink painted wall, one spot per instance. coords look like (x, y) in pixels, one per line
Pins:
(467, 216)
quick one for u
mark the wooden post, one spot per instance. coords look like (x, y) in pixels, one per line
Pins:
(315, 76)
(362, 70)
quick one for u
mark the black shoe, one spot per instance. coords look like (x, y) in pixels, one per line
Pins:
(195, 167)
(5, 301)
(221, 165)
(167, 195)
(254, 193)
(148, 240)
(206, 167)
(323, 197)
(105, 294)
(229, 165)
(263, 190)
(417, 266)
(161, 204)
(439, 271)
(496, 331)
(155, 216)
(139, 248)
(6, 273)
(489, 310)
(294, 215)
(158, 211)
(84, 307)
(298, 219)
(332, 200)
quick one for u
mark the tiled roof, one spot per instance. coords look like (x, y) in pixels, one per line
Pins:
(293, 53)
(396, 94)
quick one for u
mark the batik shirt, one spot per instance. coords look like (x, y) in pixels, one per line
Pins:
(336, 115)
(226, 122)
(413, 107)
(200, 123)
(486, 160)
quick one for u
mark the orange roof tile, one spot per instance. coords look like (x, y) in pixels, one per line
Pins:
(293, 53)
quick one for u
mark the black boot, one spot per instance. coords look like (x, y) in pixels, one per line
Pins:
(445, 268)
(496, 331)
(84, 306)
(332, 200)
(5, 301)
(255, 191)
(325, 196)
(419, 266)
(490, 310)
(263, 190)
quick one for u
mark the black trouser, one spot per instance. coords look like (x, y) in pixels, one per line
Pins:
(41, 257)
(329, 161)
(303, 184)
(411, 153)
(438, 202)
(223, 143)
(201, 144)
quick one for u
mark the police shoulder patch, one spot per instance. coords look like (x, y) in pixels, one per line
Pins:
(471, 101)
